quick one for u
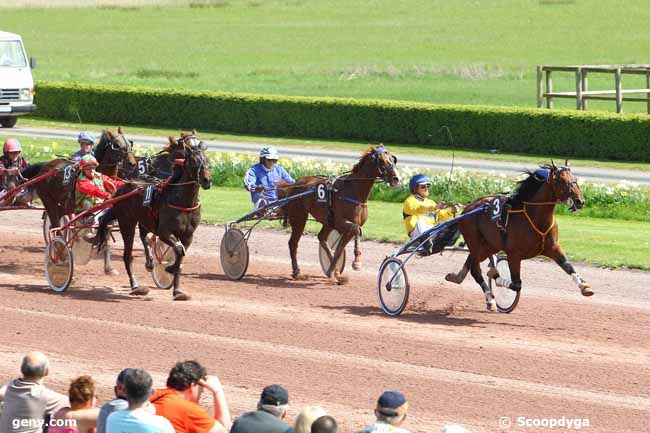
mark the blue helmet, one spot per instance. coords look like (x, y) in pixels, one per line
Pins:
(86, 136)
(418, 179)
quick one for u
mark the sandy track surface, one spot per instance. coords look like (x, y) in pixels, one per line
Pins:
(558, 355)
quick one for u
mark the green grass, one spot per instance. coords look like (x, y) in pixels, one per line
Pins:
(399, 149)
(440, 51)
(610, 243)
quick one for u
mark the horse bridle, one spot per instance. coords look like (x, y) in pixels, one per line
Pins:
(383, 171)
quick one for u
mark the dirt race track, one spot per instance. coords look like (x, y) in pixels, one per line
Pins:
(558, 355)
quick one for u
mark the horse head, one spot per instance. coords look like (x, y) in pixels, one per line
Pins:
(114, 149)
(565, 186)
(196, 162)
(378, 162)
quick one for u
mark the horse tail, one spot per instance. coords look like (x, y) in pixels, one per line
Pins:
(102, 231)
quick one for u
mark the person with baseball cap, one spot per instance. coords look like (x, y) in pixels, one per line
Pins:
(86, 140)
(390, 412)
(269, 416)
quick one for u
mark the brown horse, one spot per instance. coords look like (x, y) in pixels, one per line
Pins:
(345, 209)
(114, 152)
(529, 230)
(173, 215)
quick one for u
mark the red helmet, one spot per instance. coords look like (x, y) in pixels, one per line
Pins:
(11, 145)
(88, 161)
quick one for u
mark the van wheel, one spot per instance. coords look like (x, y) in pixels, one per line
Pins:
(8, 122)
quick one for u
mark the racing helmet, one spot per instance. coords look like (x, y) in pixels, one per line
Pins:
(86, 136)
(269, 152)
(11, 145)
(88, 161)
(418, 179)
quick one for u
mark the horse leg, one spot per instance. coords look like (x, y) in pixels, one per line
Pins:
(475, 269)
(560, 258)
(128, 234)
(185, 242)
(356, 264)
(348, 230)
(297, 223)
(459, 277)
(147, 248)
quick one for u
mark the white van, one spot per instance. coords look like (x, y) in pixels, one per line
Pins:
(16, 82)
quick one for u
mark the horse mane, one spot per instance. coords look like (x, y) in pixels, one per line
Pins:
(528, 187)
(362, 160)
(32, 170)
(100, 149)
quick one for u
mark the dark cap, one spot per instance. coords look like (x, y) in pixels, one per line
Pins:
(274, 395)
(392, 403)
(122, 375)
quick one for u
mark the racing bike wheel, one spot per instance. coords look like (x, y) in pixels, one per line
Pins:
(234, 254)
(163, 256)
(392, 286)
(505, 298)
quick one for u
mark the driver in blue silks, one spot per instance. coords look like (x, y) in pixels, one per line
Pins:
(261, 178)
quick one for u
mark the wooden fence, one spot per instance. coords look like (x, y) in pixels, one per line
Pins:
(582, 93)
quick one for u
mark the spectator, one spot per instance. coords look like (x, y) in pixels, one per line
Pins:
(306, 417)
(27, 401)
(137, 419)
(271, 410)
(390, 412)
(454, 428)
(81, 416)
(325, 424)
(118, 403)
(179, 401)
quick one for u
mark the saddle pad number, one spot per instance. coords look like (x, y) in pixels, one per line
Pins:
(142, 167)
(67, 174)
(496, 209)
(321, 193)
(148, 195)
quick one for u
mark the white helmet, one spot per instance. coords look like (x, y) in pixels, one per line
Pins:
(269, 152)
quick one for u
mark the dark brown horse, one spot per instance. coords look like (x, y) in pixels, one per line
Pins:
(346, 209)
(114, 152)
(173, 216)
(530, 228)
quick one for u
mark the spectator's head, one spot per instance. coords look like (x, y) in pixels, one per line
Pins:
(306, 418)
(325, 424)
(120, 392)
(35, 366)
(274, 400)
(454, 428)
(137, 386)
(392, 408)
(184, 377)
(82, 393)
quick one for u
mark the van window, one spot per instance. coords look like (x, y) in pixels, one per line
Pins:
(12, 54)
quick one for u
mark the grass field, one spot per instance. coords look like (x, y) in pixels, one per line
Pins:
(475, 52)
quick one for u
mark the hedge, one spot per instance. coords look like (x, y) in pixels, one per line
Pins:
(595, 135)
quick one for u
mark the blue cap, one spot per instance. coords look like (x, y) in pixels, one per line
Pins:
(392, 403)
(87, 136)
(542, 173)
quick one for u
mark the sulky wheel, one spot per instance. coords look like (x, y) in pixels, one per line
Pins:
(163, 256)
(392, 286)
(59, 264)
(505, 298)
(234, 254)
(47, 225)
(332, 241)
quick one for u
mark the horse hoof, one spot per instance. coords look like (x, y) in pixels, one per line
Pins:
(491, 305)
(180, 296)
(111, 272)
(585, 289)
(342, 280)
(356, 266)
(452, 278)
(171, 269)
(139, 291)
(148, 267)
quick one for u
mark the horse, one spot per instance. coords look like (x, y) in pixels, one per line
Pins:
(114, 152)
(9, 182)
(173, 215)
(346, 210)
(529, 230)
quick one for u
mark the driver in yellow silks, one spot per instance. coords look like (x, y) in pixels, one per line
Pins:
(421, 213)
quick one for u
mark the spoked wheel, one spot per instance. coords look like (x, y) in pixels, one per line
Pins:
(82, 250)
(163, 256)
(47, 225)
(325, 262)
(234, 254)
(392, 286)
(59, 265)
(505, 298)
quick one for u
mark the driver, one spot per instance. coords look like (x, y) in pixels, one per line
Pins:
(11, 163)
(92, 187)
(261, 178)
(420, 212)
(86, 142)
